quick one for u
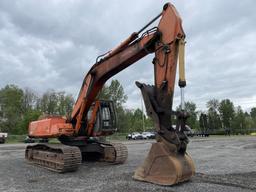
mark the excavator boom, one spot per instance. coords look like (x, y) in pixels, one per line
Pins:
(105, 69)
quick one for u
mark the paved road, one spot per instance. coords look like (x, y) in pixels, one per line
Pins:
(223, 164)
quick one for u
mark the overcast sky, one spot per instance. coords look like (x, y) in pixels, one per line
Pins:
(51, 44)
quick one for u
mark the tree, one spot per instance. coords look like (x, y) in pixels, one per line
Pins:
(19, 107)
(22, 126)
(227, 112)
(116, 92)
(113, 92)
(56, 103)
(192, 121)
(29, 100)
(203, 122)
(125, 120)
(104, 93)
(214, 122)
(49, 102)
(137, 120)
(239, 121)
(253, 117)
(65, 103)
(213, 105)
(249, 121)
(149, 125)
(10, 107)
(131, 120)
(253, 112)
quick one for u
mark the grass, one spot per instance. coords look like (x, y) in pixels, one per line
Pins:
(15, 138)
(12, 139)
(117, 136)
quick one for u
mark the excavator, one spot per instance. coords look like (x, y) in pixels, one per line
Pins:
(81, 133)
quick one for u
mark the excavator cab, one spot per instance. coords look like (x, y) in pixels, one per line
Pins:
(102, 117)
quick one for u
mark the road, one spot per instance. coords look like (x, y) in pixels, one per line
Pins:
(222, 164)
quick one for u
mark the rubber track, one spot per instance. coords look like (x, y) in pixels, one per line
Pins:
(67, 159)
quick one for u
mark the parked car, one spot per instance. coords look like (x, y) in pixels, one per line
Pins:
(202, 134)
(189, 132)
(29, 140)
(3, 137)
(152, 135)
(134, 136)
(148, 135)
(145, 135)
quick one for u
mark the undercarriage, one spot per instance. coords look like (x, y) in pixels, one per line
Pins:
(65, 158)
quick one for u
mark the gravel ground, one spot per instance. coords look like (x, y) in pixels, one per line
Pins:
(222, 164)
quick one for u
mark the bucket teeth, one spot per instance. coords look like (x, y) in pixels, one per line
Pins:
(164, 166)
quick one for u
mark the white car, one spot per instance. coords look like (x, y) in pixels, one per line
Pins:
(3, 136)
(134, 136)
(148, 135)
(145, 135)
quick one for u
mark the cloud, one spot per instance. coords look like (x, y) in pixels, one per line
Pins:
(52, 44)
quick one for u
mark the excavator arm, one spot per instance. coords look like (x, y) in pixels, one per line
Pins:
(162, 40)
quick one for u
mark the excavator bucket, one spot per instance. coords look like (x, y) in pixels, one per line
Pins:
(164, 166)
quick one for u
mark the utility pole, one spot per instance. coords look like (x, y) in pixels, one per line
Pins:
(142, 109)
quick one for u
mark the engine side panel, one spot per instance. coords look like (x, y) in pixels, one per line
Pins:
(50, 127)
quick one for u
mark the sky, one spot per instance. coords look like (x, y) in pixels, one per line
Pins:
(51, 44)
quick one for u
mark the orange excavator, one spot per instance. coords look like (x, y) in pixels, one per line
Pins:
(81, 134)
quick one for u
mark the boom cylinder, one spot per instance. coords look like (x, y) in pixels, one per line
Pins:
(182, 80)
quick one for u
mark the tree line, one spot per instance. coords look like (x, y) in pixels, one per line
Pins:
(19, 106)
(224, 117)
(221, 117)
